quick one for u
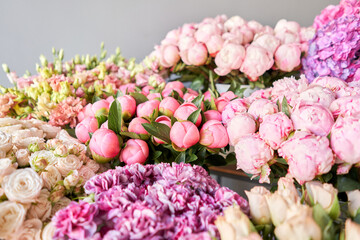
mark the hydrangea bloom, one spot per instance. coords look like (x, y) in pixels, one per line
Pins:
(150, 202)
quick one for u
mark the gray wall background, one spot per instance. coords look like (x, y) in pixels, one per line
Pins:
(31, 28)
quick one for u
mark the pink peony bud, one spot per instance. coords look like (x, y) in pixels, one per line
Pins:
(255, 26)
(148, 108)
(184, 134)
(185, 43)
(86, 126)
(168, 106)
(213, 135)
(136, 127)
(153, 96)
(214, 44)
(146, 90)
(233, 108)
(110, 100)
(128, 106)
(221, 103)
(127, 88)
(197, 54)
(167, 92)
(257, 61)
(240, 125)
(261, 107)
(174, 85)
(91, 110)
(314, 118)
(135, 151)
(185, 110)
(234, 22)
(229, 95)
(193, 92)
(212, 115)
(230, 57)
(284, 25)
(267, 41)
(207, 96)
(275, 129)
(307, 155)
(259, 94)
(188, 97)
(164, 120)
(101, 149)
(253, 154)
(206, 31)
(169, 55)
(287, 57)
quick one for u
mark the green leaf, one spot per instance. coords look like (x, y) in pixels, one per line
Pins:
(216, 160)
(156, 155)
(191, 158)
(114, 121)
(282, 161)
(158, 130)
(130, 135)
(90, 134)
(345, 184)
(180, 158)
(197, 84)
(173, 120)
(95, 99)
(324, 221)
(285, 108)
(194, 116)
(71, 132)
(231, 158)
(101, 119)
(198, 100)
(118, 94)
(357, 217)
(139, 97)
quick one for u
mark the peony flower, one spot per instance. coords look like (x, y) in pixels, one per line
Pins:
(135, 151)
(259, 209)
(23, 185)
(333, 83)
(12, 216)
(196, 55)
(164, 120)
(169, 55)
(185, 110)
(240, 125)
(267, 41)
(230, 57)
(233, 108)
(148, 108)
(262, 107)
(50, 176)
(316, 94)
(135, 125)
(66, 112)
(221, 103)
(168, 106)
(30, 229)
(100, 149)
(345, 106)
(287, 57)
(289, 88)
(86, 126)
(212, 115)
(184, 134)
(213, 135)
(353, 202)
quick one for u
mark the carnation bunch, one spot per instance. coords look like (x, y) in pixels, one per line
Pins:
(233, 50)
(162, 201)
(42, 169)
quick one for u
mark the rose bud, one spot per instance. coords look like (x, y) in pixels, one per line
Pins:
(135, 126)
(253, 155)
(128, 106)
(230, 57)
(221, 103)
(168, 106)
(239, 126)
(233, 108)
(185, 110)
(213, 135)
(314, 118)
(352, 230)
(148, 108)
(168, 91)
(164, 120)
(275, 129)
(135, 151)
(353, 202)
(325, 195)
(184, 134)
(261, 107)
(287, 57)
(212, 115)
(100, 148)
(86, 126)
(259, 210)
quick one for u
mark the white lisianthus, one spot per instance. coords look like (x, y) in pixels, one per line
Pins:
(22, 186)
(50, 176)
(48, 232)
(12, 216)
(67, 164)
(29, 230)
(41, 208)
(5, 142)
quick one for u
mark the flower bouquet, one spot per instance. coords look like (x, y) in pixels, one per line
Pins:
(233, 51)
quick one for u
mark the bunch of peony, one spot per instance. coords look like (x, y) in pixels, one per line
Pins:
(162, 201)
(312, 126)
(233, 49)
(41, 169)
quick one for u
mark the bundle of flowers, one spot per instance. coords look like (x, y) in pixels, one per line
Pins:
(175, 124)
(60, 90)
(42, 169)
(309, 130)
(316, 215)
(162, 201)
(233, 50)
(334, 51)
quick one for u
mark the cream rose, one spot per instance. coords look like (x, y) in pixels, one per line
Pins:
(18, 135)
(5, 142)
(72, 180)
(9, 121)
(22, 186)
(50, 176)
(22, 157)
(67, 164)
(41, 159)
(24, 143)
(12, 216)
(278, 207)
(10, 129)
(85, 174)
(62, 203)
(41, 208)
(354, 202)
(48, 232)
(94, 166)
(48, 129)
(6, 167)
(259, 209)
(352, 230)
(30, 230)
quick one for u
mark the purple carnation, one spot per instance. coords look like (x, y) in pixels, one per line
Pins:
(334, 51)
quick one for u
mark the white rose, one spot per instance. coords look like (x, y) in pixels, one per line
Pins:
(62, 203)
(9, 121)
(67, 164)
(66, 138)
(94, 166)
(30, 230)
(41, 159)
(57, 192)
(352, 230)
(48, 232)
(278, 207)
(50, 176)
(85, 174)
(10, 129)
(24, 143)
(259, 209)
(41, 208)
(354, 202)
(48, 129)
(72, 180)
(23, 185)
(12, 216)
(5, 142)
(6, 167)
(287, 189)
(22, 157)
(18, 135)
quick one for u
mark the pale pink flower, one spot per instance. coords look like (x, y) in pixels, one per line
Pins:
(267, 41)
(230, 57)
(287, 57)
(240, 125)
(66, 112)
(6, 103)
(213, 135)
(262, 107)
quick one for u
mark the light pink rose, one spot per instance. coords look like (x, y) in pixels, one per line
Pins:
(307, 155)
(212, 115)
(314, 118)
(148, 108)
(233, 108)
(12, 216)
(41, 208)
(261, 107)
(69, 163)
(85, 173)
(267, 41)
(287, 57)
(230, 57)
(185, 110)
(128, 106)
(168, 106)
(136, 127)
(169, 55)
(184, 134)
(50, 177)
(240, 125)
(86, 126)
(135, 151)
(317, 94)
(164, 120)
(257, 61)
(100, 148)
(275, 129)
(214, 44)
(253, 154)
(345, 106)
(221, 103)
(345, 139)
(6, 167)
(213, 135)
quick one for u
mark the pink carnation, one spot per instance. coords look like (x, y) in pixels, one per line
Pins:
(66, 112)
(6, 103)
